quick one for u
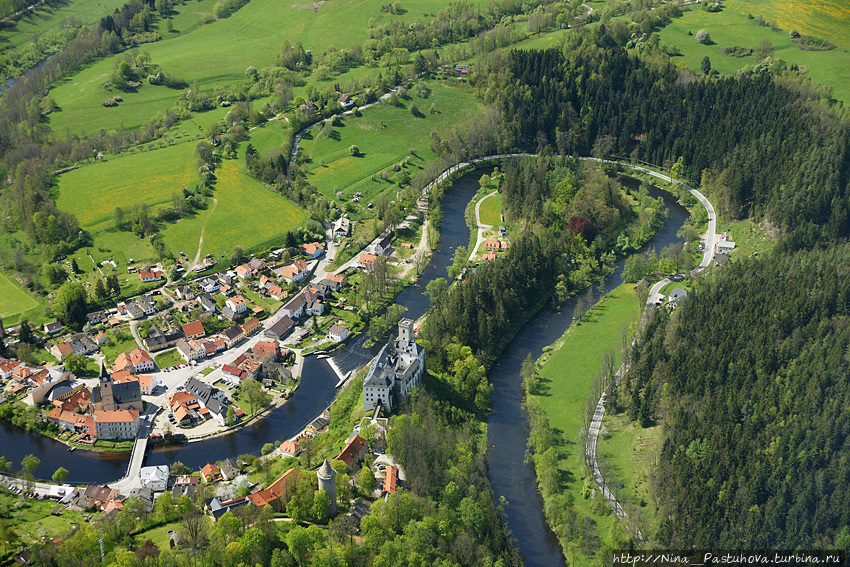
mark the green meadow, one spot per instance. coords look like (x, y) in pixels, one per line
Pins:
(827, 19)
(93, 191)
(15, 302)
(218, 53)
(732, 27)
(245, 213)
(385, 135)
(566, 383)
(47, 18)
(491, 210)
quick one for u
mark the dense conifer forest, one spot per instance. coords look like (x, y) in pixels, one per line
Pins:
(762, 145)
(750, 377)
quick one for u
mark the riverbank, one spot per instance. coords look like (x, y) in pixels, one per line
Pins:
(559, 392)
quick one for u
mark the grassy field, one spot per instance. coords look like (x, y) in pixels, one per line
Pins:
(92, 192)
(16, 302)
(31, 519)
(385, 135)
(827, 19)
(246, 213)
(566, 383)
(627, 454)
(168, 358)
(732, 27)
(491, 210)
(217, 54)
(117, 342)
(46, 19)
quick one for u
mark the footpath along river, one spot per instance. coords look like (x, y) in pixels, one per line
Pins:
(508, 429)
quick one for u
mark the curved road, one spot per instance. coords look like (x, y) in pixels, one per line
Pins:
(481, 227)
(596, 423)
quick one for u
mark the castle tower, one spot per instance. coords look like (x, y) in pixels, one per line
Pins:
(327, 482)
(405, 330)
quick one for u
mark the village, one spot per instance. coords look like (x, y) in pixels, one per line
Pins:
(207, 359)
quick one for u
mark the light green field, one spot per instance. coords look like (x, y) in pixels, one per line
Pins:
(628, 453)
(491, 210)
(168, 358)
(246, 213)
(92, 192)
(566, 381)
(15, 301)
(47, 19)
(218, 53)
(732, 27)
(270, 136)
(385, 135)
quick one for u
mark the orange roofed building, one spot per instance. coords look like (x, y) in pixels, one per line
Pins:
(353, 452)
(278, 493)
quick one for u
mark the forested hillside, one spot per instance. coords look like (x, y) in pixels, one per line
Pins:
(761, 144)
(751, 378)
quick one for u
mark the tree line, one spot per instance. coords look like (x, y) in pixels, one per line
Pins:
(749, 375)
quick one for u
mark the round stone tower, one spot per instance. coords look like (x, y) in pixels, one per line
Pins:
(327, 482)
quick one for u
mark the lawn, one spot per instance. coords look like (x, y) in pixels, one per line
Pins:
(168, 358)
(16, 301)
(246, 213)
(92, 192)
(31, 519)
(732, 27)
(566, 382)
(491, 210)
(385, 135)
(749, 238)
(118, 341)
(627, 454)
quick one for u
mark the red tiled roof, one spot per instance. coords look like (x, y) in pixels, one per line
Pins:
(353, 450)
(194, 329)
(391, 479)
(277, 489)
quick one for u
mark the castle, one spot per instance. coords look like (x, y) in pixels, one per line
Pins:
(395, 371)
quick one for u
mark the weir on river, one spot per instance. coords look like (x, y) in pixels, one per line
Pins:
(508, 432)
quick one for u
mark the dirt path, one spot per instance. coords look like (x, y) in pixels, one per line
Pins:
(197, 259)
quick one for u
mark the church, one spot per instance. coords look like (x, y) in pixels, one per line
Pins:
(108, 395)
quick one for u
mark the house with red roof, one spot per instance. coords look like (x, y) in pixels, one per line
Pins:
(354, 451)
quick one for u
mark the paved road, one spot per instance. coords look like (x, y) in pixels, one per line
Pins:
(596, 423)
(482, 228)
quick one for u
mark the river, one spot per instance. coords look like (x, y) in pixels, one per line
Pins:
(508, 429)
(316, 392)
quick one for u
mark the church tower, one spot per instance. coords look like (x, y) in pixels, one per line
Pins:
(327, 482)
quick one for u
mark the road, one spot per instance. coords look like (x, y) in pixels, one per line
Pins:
(596, 423)
(482, 228)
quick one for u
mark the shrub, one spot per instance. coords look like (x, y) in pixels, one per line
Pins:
(354, 150)
(703, 37)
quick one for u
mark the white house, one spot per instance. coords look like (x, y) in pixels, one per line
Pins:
(295, 307)
(337, 333)
(237, 303)
(191, 350)
(116, 424)
(155, 478)
(725, 246)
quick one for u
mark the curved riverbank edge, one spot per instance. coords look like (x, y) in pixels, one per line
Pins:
(591, 441)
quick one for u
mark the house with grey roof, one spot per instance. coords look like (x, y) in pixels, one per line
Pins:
(395, 371)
